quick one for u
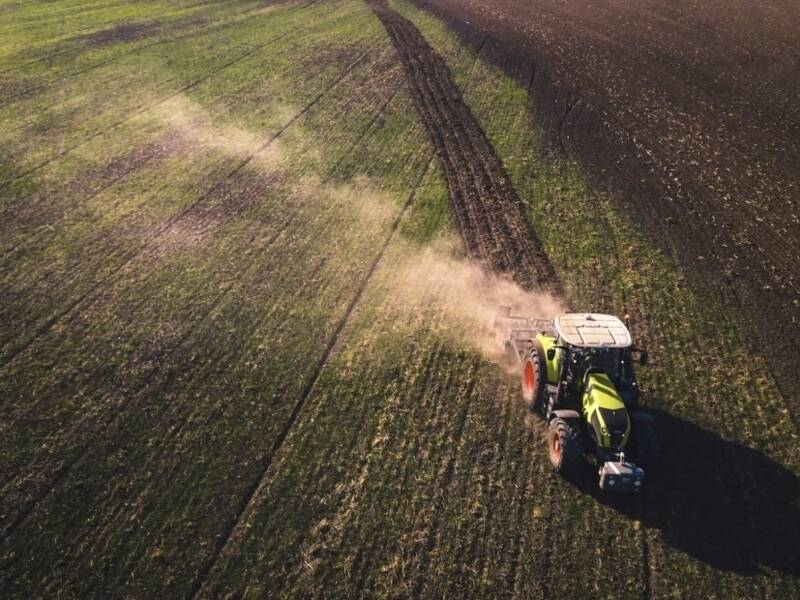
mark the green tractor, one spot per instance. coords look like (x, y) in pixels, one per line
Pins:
(577, 373)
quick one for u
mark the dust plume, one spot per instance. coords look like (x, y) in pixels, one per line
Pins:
(463, 297)
(196, 128)
(361, 202)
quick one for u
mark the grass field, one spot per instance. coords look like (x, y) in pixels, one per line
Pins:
(236, 351)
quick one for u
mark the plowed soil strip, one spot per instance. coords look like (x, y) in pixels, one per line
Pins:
(489, 213)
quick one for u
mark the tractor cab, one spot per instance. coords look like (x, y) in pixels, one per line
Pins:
(590, 345)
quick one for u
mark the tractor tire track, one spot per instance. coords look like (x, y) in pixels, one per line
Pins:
(490, 215)
(252, 490)
(129, 257)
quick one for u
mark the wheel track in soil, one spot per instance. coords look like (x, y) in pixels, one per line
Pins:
(490, 215)
(89, 422)
(118, 271)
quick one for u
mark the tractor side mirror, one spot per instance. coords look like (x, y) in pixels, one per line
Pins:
(551, 353)
(643, 357)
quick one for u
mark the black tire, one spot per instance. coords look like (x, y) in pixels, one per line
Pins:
(534, 378)
(643, 443)
(565, 446)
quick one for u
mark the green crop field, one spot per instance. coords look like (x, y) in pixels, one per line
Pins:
(240, 354)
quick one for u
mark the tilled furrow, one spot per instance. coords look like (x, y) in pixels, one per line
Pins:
(478, 236)
(491, 206)
(479, 185)
(469, 222)
(490, 215)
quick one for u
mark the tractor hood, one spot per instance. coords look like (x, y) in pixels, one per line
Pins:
(605, 412)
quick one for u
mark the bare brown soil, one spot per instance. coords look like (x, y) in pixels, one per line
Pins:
(490, 215)
(689, 111)
(126, 32)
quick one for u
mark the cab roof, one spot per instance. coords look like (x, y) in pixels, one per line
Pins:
(590, 330)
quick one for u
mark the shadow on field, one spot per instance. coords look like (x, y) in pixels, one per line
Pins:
(723, 503)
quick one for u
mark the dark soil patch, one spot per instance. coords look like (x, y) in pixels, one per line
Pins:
(125, 32)
(490, 215)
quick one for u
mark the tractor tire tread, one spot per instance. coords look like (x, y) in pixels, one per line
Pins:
(572, 445)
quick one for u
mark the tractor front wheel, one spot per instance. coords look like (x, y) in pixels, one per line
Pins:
(565, 446)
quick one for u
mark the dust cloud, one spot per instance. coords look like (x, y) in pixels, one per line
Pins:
(361, 203)
(453, 295)
(463, 297)
(195, 128)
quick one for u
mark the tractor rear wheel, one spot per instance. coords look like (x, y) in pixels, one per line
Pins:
(534, 374)
(565, 446)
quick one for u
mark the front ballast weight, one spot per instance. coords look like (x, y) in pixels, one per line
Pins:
(577, 373)
(621, 477)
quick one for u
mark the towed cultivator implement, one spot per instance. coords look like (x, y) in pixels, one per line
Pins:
(577, 373)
